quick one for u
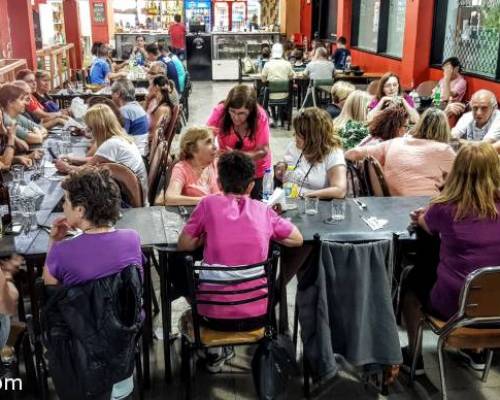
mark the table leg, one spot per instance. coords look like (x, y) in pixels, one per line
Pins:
(283, 317)
(148, 323)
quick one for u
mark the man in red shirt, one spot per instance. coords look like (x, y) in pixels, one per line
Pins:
(177, 32)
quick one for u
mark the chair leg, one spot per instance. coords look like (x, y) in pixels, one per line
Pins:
(186, 367)
(295, 326)
(139, 375)
(442, 376)
(307, 378)
(166, 314)
(156, 305)
(416, 351)
(489, 359)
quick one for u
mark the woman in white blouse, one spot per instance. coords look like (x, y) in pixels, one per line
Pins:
(317, 156)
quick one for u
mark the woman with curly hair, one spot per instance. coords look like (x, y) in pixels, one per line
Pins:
(317, 156)
(390, 123)
(91, 204)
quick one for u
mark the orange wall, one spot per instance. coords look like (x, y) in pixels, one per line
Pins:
(306, 18)
(373, 63)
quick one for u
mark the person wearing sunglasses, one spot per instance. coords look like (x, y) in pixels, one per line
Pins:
(240, 124)
(340, 92)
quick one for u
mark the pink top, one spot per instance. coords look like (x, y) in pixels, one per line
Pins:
(413, 167)
(195, 185)
(458, 86)
(375, 102)
(228, 142)
(237, 231)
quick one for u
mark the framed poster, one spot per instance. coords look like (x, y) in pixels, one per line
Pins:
(99, 13)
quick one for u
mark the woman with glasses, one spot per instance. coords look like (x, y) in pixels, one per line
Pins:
(317, 156)
(414, 165)
(195, 175)
(240, 124)
(390, 92)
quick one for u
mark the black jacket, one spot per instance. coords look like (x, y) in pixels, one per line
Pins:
(91, 332)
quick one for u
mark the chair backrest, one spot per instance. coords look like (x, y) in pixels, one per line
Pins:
(157, 168)
(232, 288)
(375, 177)
(357, 185)
(172, 126)
(425, 88)
(373, 87)
(129, 184)
(322, 82)
(278, 86)
(480, 297)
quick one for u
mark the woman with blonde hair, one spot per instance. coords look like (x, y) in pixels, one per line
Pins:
(112, 142)
(317, 156)
(465, 216)
(340, 92)
(351, 125)
(414, 165)
(195, 175)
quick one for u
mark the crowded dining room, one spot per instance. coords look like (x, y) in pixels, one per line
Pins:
(249, 199)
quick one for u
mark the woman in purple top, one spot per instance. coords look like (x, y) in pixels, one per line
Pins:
(466, 217)
(389, 92)
(92, 205)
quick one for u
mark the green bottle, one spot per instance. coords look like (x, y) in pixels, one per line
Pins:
(437, 95)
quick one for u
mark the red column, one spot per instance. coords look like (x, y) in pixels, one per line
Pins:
(73, 34)
(417, 42)
(101, 30)
(306, 18)
(21, 31)
(344, 19)
(5, 42)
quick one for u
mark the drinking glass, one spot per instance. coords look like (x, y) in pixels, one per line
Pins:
(28, 209)
(311, 205)
(17, 173)
(337, 212)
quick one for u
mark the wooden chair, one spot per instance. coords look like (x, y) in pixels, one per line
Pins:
(158, 135)
(425, 88)
(197, 337)
(157, 168)
(372, 87)
(479, 304)
(168, 134)
(129, 184)
(375, 178)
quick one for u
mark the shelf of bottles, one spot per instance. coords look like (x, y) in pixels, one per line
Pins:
(198, 13)
(229, 46)
(58, 20)
(154, 15)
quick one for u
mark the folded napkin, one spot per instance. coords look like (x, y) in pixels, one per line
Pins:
(31, 190)
(375, 223)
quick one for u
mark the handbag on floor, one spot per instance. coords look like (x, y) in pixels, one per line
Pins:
(273, 366)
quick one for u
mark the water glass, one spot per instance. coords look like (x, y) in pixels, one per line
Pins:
(337, 212)
(17, 173)
(28, 209)
(311, 205)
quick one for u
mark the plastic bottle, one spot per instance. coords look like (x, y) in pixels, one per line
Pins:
(267, 184)
(289, 186)
(437, 96)
(416, 98)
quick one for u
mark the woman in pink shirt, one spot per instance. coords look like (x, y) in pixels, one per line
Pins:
(414, 165)
(453, 85)
(195, 175)
(241, 124)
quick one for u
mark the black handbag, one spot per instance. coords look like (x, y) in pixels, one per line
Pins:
(273, 366)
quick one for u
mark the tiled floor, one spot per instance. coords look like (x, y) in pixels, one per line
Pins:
(235, 383)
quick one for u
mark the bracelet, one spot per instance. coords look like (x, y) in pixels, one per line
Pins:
(11, 146)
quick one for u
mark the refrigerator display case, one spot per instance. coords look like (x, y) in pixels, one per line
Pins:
(198, 15)
(229, 16)
(228, 48)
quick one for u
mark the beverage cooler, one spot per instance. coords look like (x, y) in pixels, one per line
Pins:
(198, 15)
(229, 16)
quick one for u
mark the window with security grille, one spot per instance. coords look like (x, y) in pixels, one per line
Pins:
(369, 14)
(396, 27)
(472, 33)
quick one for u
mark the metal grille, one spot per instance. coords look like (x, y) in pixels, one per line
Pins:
(477, 49)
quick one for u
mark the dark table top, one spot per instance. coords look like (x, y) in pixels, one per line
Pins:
(50, 184)
(395, 210)
(147, 221)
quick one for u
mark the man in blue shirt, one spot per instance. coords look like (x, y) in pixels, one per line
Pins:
(154, 55)
(342, 56)
(136, 122)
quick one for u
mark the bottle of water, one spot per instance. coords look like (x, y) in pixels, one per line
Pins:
(437, 95)
(289, 184)
(267, 184)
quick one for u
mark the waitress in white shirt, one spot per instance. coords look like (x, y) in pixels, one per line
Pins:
(317, 155)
